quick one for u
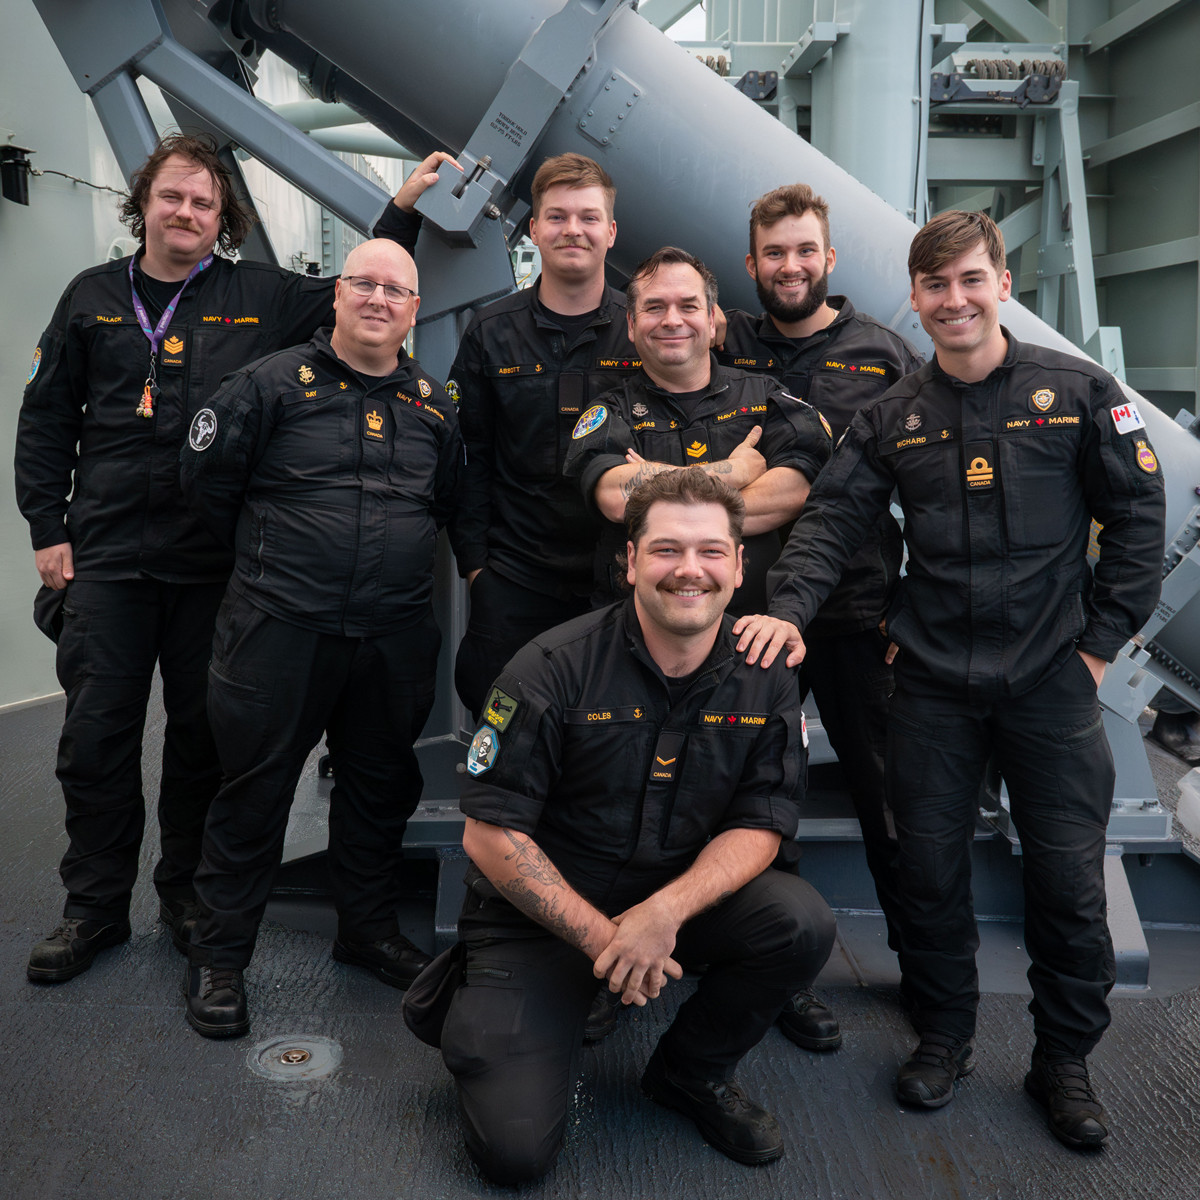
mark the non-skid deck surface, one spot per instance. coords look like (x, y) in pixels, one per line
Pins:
(105, 1093)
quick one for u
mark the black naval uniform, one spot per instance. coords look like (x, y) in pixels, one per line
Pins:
(838, 369)
(583, 721)
(999, 481)
(148, 575)
(522, 378)
(642, 416)
(331, 488)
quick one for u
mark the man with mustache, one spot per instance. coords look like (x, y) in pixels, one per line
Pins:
(527, 368)
(624, 803)
(135, 348)
(823, 350)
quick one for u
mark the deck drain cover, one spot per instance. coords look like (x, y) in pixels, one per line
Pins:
(298, 1056)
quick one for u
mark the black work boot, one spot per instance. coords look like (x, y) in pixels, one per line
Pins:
(602, 1018)
(216, 1001)
(71, 948)
(1060, 1083)
(394, 961)
(1179, 734)
(179, 916)
(927, 1078)
(729, 1122)
(810, 1022)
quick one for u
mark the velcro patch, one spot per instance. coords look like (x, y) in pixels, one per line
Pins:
(500, 709)
(604, 716)
(1127, 418)
(728, 720)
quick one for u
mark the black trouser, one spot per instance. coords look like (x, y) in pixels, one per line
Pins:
(851, 683)
(273, 689)
(504, 616)
(113, 633)
(1051, 750)
(513, 1034)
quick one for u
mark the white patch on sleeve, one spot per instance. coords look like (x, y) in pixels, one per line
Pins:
(1127, 418)
(804, 730)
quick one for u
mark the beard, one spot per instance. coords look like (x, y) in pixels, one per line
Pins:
(780, 310)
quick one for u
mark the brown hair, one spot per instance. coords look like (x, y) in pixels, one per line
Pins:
(950, 235)
(572, 171)
(200, 149)
(688, 485)
(668, 256)
(793, 200)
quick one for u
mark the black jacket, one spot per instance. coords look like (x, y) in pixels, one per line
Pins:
(642, 416)
(78, 435)
(838, 370)
(329, 487)
(520, 390)
(621, 789)
(999, 481)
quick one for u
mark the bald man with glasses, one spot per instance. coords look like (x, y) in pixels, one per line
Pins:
(328, 469)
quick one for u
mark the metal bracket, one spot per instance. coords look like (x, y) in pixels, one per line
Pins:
(560, 49)
(811, 48)
(758, 85)
(1033, 89)
(613, 103)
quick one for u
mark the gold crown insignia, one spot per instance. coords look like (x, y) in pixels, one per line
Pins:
(374, 420)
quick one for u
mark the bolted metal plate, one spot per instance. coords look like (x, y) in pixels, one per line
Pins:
(292, 1057)
(605, 114)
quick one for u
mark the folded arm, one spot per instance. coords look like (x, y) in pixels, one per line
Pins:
(773, 499)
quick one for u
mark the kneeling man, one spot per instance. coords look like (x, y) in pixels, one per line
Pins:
(626, 799)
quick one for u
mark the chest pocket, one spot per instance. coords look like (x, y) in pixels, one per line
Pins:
(316, 431)
(528, 428)
(713, 762)
(215, 351)
(611, 743)
(1043, 499)
(414, 457)
(840, 392)
(927, 469)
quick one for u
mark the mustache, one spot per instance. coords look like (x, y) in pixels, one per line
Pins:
(176, 223)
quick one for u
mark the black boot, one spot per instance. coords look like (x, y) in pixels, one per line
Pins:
(603, 1016)
(1060, 1083)
(927, 1078)
(1178, 733)
(179, 916)
(71, 948)
(739, 1128)
(394, 961)
(810, 1022)
(216, 1001)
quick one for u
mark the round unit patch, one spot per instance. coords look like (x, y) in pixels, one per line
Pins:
(1043, 400)
(451, 390)
(592, 419)
(33, 366)
(424, 388)
(912, 422)
(203, 430)
(1145, 458)
(485, 749)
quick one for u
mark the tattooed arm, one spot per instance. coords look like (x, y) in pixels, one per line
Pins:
(519, 868)
(743, 466)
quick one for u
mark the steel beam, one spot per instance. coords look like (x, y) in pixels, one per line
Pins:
(1018, 20)
(125, 121)
(964, 161)
(316, 114)
(1136, 17)
(362, 139)
(1148, 258)
(1022, 225)
(1161, 379)
(1172, 124)
(811, 48)
(662, 14)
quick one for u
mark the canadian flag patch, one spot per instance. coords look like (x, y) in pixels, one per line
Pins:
(804, 731)
(1127, 418)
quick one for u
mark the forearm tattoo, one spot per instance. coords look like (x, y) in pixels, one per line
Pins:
(531, 861)
(545, 910)
(724, 467)
(645, 471)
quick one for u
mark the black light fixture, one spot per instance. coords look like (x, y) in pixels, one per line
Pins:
(14, 173)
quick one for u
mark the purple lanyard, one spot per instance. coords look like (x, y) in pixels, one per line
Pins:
(145, 406)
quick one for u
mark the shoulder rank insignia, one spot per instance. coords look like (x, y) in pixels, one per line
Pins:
(485, 749)
(500, 709)
(592, 419)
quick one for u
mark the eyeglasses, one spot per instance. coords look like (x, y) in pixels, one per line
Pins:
(393, 292)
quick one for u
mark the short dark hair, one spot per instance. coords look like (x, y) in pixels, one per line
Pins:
(950, 235)
(668, 256)
(792, 200)
(572, 171)
(236, 219)
(688, 485)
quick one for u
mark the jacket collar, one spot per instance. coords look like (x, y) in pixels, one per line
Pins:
(1010, 361)
(717, 665)
(768, 331)
(322, 347)
(604, 314)
(718, 382)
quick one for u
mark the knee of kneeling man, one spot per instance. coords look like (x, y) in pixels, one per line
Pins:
(811, 927)
(514, 1153)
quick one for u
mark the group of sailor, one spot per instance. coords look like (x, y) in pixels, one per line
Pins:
(675, 522)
